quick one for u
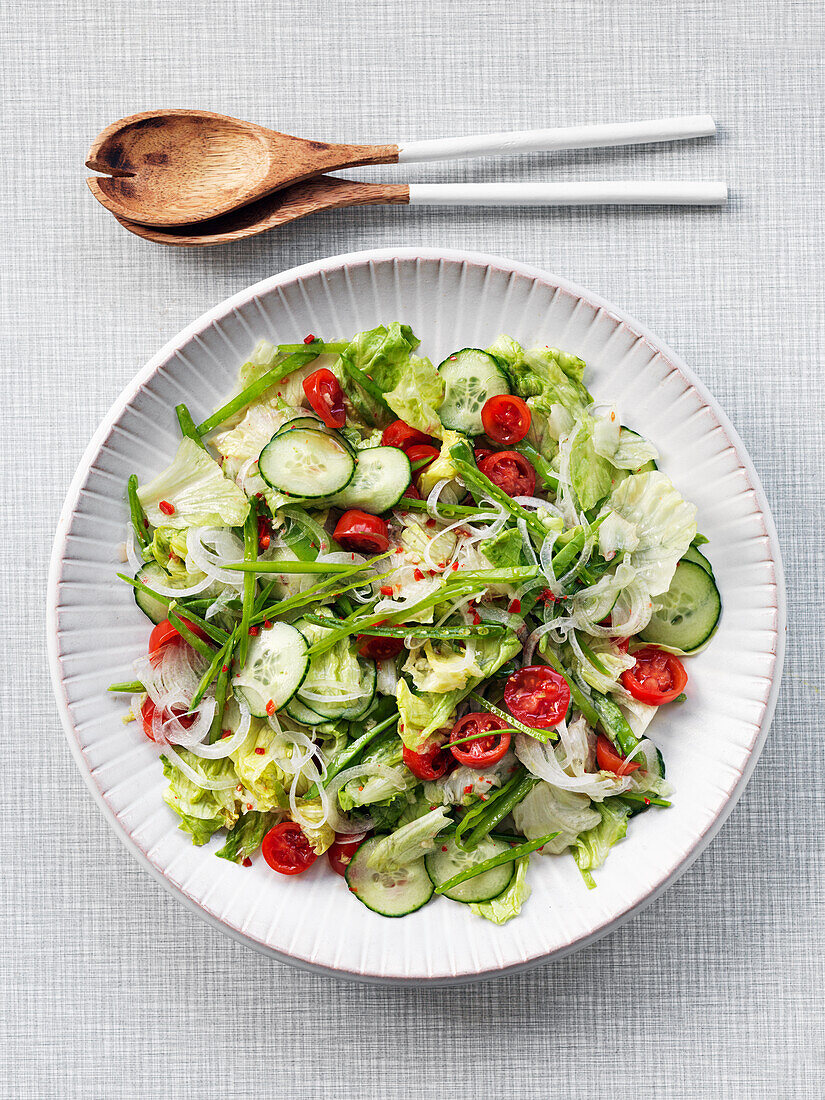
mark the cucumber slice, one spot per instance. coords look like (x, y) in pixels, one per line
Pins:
(390, 893)
(302, 714)
(276, 664)
(152, 608)
(471, 376)
(337, 672)
(315, 423)
(382, 475)
(690, 611)
(306, 462)
(698, 558)
(442, 865)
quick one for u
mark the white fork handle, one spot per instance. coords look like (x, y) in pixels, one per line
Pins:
(624, 192)
(568, 137)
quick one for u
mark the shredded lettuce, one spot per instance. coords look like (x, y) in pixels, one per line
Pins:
(441, 668)
(504, 550)
(590, 475)
(507, 905)
(196, 488)
(201, 812)
(410, 842)
(441, 468)
(372, 789)
(246, 835)
(547, 809)
(267, 774)
(591, 848)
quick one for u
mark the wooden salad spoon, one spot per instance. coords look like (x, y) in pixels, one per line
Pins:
(176, 167)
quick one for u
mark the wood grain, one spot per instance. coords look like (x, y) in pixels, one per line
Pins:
(175, 167)
(287, 205)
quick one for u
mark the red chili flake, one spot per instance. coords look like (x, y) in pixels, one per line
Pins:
(247, 862)
(386, 589)
(260, 751)
(312, 544)
(270, 709)
(454, 566)
(254, 631)
(547, 596)
(267, 624)
(146, 523)
(430, 522)
(443, 847)
(259, 496)
(483, 797)
(400, 550)
(453, 358)
(352, 890)
(167, 508)
(226, 733)
(419, 576)
(476, 618)
(249, 805)
(647, 802)
(263, 542)
(468, 790)
(515, 607)
(310, 338)
(224, 668)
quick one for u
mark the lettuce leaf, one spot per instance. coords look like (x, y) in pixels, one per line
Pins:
(370, 789)
(201, 812)
(504, 550)
(246, 835)
(195, 486)
(546, 809)
(507, 905)
(591, 475)
(410, 842)
(442, 467)
(464, 785)
(665, 524)
(441, 668)
(591, 848)
(267, 774)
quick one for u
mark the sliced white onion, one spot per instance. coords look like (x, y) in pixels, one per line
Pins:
(198, 779)
(527, 542)
(387, 676)
(432, 498)
(225, 746)
(319, 697)
(137, 563)
(540, 759)
(537, 502)
(341, 824)
(533, 641)
(226, 548)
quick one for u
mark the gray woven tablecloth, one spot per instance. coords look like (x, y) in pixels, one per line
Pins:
(108, 986)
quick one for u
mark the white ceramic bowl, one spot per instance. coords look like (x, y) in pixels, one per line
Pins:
(452, 299)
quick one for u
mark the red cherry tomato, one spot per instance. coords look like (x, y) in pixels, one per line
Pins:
(379, 649)
(506, 419)
(287, 850)
(481, 453)
(357, 530)
(164, 632)
(340, 855)
(427, 765)
(401, 435)
(484, 752)
(537, 696)
(656, 678)
(609, 759)
(324, 394)
(511, 472)
(149, 710)
(412, 492)
(421, 455)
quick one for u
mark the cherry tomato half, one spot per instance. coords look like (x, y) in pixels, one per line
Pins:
(340, 855)
(164, 632)
(484, 752)
(379, 649)
(287, 850)
(357, 530)
(511, 472)
(412, 493)
(481, 453)
(148, 714)
(401, 435)
(537, 696)
(609, 759)
(324, 394)
(421, 455)
(506, 419)
(656, 678)
(427, 765)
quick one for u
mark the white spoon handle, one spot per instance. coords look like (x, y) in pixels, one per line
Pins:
(568, 137)
(569, 194)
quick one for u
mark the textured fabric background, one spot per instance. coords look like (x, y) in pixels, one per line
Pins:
(108, 987)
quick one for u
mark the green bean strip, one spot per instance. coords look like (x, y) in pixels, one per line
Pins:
(187, 425)
(250, 553)
(476, 481)
(130, 687)
(409, 504)
(421, 630)
(574, 546)
(492, 732)
(540, 735)
(221, 658)
(640, 796)
(247, 396)
(315, 345)
(316, 591)
(221, 685)
(213, 630)
(495, 809)
(541, 465)
(349, 754)
(495, 861)
(189, 636)
(578, 696)
(139, 520)
(288, 566)
(493, 576)
(614, 723)
(366, 384)
(591, 656)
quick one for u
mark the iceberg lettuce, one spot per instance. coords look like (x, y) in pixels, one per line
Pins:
(267, 774)
(246, 835)
(410, 842)
(196, 488)
(201, 812)
(591, 475)
(507, 905)
(591, 848)
(369, 789)
(548, 809)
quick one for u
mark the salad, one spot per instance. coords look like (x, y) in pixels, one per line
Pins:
(417, 618)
